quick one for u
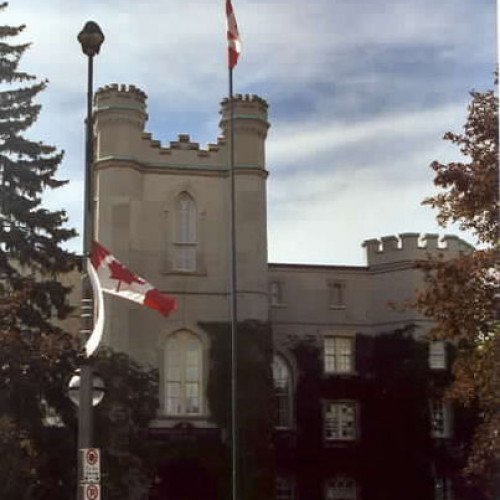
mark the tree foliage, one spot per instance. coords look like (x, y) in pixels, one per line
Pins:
(30, 235)
(459, 293)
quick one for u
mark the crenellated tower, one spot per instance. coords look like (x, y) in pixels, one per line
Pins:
(250, 132)
(250, 127)
(164, 209)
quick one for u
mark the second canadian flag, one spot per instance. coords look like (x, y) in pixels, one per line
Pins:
(118, 280)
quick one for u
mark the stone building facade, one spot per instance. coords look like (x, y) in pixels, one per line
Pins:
(164, 211)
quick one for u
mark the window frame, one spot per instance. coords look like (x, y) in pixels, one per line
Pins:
(286, 482)
(276, 296)
(341, 495)
(443, 488)
(184, 378)
(185, 234)
(286, 394)
(335, 358)
(336, 294)
(355, 426)
(447, 418)
(438, 355)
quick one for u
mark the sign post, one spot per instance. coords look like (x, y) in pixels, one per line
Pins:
(91, 473)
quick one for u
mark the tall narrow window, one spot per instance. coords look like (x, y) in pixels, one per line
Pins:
(440, 418)
(437, 355)
(275, 293)
(338, 354)
(183, 374)
(185, 244)
(282, 392)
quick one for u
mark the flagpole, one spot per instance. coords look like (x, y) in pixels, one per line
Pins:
(234, 302)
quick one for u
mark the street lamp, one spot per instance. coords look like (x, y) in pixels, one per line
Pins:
(90, 38)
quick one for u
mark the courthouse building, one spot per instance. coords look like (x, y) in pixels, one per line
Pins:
(164, 211)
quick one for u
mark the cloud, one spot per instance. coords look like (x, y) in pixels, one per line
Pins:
(295, 143)
(360, 93)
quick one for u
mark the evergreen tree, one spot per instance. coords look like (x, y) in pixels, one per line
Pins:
(36, 356)
(30, 235)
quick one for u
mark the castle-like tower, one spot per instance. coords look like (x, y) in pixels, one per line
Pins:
(165, 211)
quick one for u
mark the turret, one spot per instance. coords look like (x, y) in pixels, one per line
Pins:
(119, 119)
(250, 129)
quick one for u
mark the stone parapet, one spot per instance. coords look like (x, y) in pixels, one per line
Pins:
(120, 114)
(411, 247)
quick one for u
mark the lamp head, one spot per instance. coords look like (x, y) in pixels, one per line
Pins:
(91, 38)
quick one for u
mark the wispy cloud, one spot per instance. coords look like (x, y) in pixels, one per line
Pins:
(361, 92)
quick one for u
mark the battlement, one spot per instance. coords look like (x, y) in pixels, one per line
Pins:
(250, 98)
(120, 118)
(123, 91)
(412, 247)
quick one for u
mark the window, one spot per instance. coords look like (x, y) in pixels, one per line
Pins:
(437, 355)
(285, 488)
(442, 488)
(341, 488)
(275, 293)
(183, 374)
(340, 421)
(282, 392)
(339, 354)
(440, 418)
(185, 241)
(336, 294)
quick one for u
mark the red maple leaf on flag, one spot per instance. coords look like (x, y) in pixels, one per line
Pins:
(122, 274)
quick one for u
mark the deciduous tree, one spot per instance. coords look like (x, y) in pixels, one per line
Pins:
(459, 293)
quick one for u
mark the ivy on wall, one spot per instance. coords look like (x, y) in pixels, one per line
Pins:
(394, 456)
(255, 401)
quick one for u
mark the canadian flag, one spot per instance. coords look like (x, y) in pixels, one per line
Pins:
(118, 280)
(233, 37)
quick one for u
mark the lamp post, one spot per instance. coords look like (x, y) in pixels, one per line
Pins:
(90, 38)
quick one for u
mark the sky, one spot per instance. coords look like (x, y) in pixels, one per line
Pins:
(360, 94)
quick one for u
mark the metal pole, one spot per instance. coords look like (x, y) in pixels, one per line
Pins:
(234, 301)
(85, 437)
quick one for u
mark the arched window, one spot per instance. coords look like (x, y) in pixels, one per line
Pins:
(282, 392)
(186, 239)
(183, 374)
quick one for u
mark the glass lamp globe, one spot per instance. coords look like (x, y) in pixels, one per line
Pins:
(97, 389)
